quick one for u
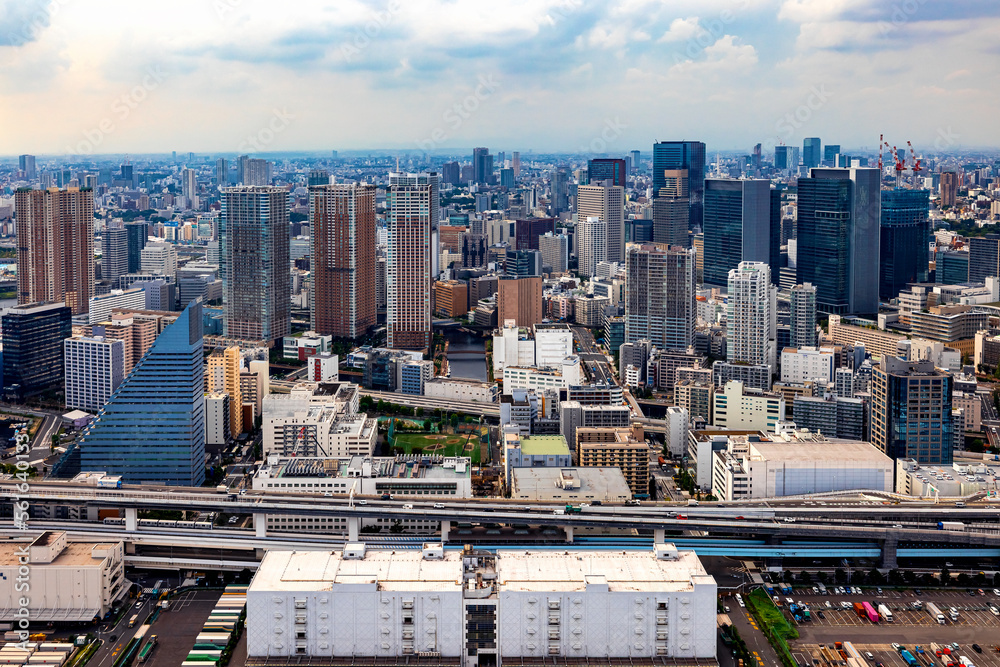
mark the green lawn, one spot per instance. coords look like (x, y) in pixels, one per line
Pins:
(440, 445)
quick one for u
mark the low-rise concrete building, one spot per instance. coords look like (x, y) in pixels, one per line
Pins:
(570, 485)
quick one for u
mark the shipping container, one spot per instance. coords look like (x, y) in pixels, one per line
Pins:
(951, 525)
(869, 612)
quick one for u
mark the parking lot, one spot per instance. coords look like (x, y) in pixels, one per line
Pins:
(885, 655)
(177, 628)
(973, 611)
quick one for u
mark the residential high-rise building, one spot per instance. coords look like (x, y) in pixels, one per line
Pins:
(838, 238)
(606, 202)
(520, 299)
(737, 226)
(451, 173)
(33, 337)
(254, 263)
(606, 169)
(803, 316)
(515, 163)
(26, 165)
(408, 266)
(114, 254)
(591, 245)
(812, 152)
(688, 155)
(672, 209)
(984, 257)
(433, 179)
(223, 368)
(253, 171)
(318, 177)
(342, 263)
(189, 187)
(482, 163)
(94, 368)
(949, 188)
(911, 410)
(222, 172)
(904, 245)
(751, 316)
(153, 429)
(555, 251)
(138, 234)
(660, 295)
(55, 246)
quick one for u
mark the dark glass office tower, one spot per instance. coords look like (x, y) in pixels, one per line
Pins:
(606, 169)
(984, 258)
(838, 238)
(774, 240)
(33, 337)
(737, 224)
(138, 233)
(812, 152)
(904, 247)
(830, 152)
(688, 155)
(153, 428)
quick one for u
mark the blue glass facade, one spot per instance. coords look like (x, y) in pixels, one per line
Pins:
(737, 226)
(33, 337)
(811, 155)
(688, 155)
(606, 169)
(952, 267)
(153, 428)
(904, 246)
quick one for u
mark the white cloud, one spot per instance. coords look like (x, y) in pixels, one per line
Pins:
(682, 30)
(804, 11)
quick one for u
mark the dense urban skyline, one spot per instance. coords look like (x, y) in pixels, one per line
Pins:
(554, 75)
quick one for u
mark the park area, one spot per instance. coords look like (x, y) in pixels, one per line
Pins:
(444, 444)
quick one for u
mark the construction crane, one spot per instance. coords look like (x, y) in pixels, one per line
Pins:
(900, 166)
(916, 165)
(881, 147)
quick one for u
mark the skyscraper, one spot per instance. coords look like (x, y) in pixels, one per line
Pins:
(408, 266)
(223, 368)
(911, 410)
(254, 263)
(114, 254)
(138, 234)
(660, 295)
(318, 177)
(482, 164)
(515, 163)
(55, 253)
(189, 187)
(95, 367)
(606, 202)
(774, 237)
(222, 172)
(812, 152)
(688, 155)
(33, 337)
(520, 299)
(984, 257)
(830, 153)
(559, 200)
(433, 179)
(606, 169)
(672, 209)
(838, 238)
(803, 316)
(751, 315)
(528, 231)
(153, 430)
(905, 240)
(555, 251)
(635, 155)
(342, 263)
(591, 241)
(26, 164)
(737, 226)
(949, 188)
(781, 158)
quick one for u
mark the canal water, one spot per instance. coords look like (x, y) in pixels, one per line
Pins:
(466, 354)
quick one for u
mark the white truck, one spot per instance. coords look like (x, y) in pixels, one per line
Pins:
(935, 613)
(885, 613)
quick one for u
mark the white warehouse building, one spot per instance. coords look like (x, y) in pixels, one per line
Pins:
(471, 608)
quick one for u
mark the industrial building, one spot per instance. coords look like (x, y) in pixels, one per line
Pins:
(70, 581)
(469, 608)
(570, 485)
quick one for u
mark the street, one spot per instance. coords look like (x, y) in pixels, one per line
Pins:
(111, 648)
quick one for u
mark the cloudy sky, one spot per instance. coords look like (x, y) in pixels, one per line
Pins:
(114, 76)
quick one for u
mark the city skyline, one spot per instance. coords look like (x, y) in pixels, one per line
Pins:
(230, 77)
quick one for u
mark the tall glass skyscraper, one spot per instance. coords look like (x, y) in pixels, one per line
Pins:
(905, 240)
(811, 151)
(138, 234)
(33, 337)
(737, 225)
(606, 169)
(838, 238)
(911, 410)
(688, 155)
(153, 428)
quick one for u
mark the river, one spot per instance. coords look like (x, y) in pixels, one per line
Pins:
(466, 354)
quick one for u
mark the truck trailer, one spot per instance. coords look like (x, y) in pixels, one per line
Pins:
(935, 613)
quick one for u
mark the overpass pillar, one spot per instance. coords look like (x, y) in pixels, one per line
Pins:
(353, 528)
(131, 518)
(445, 529)
(260, 524)
(569, 533)
(659, 535)
(889, 545)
